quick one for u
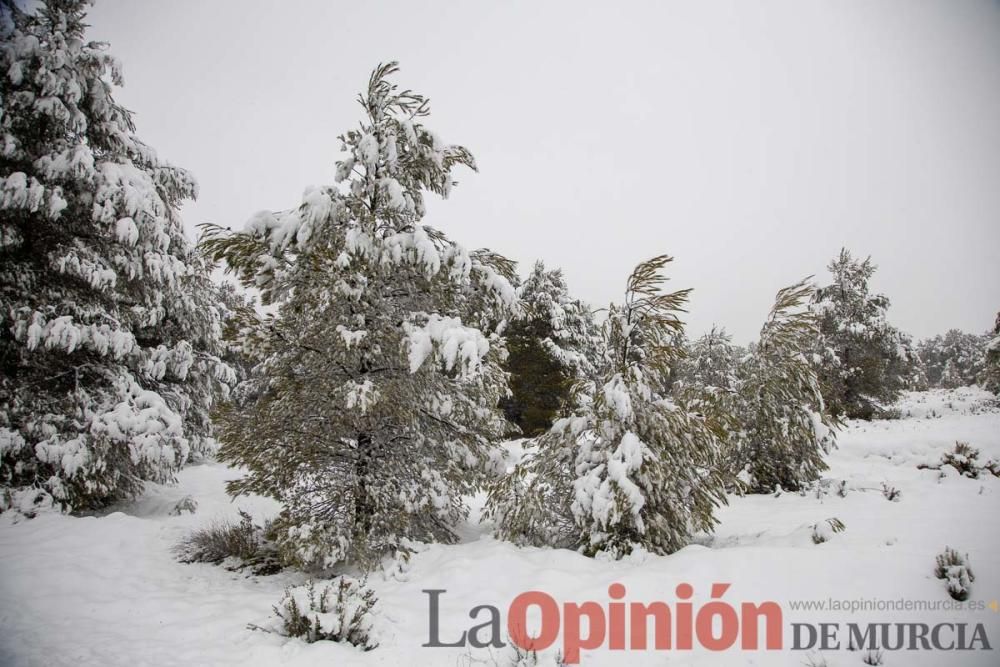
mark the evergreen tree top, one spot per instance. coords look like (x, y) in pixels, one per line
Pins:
(644, 329)
(371, 215)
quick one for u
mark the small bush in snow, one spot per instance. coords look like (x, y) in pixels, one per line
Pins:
(245, 541)
(341, 612)
(824, 530)
(891, 493)
(185, 504)
(27, 502)
(954, 568)
(514, 656)
(873, 657)
(964, 458)
(817, 660)
(529, 658)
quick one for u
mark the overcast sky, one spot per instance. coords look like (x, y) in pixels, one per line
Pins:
(749, 141)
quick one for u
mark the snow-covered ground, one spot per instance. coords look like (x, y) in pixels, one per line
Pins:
(108, 591)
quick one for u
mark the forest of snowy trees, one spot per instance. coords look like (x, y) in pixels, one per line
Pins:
(367, 367)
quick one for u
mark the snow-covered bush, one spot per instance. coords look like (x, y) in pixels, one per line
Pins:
(631, 466)
(373, 409)
(341, 612)
(109, 337)
(873, 657)
(185, 504)
(817, 660)
(891, 493)
(250, 544)
(954, 568)
(782, 429)
(530, 658)
(864, 361)
(964, 458)
(825, 530)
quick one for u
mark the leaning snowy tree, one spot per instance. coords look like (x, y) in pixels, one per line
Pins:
(631, 467)
(550, 344)
(783, 427)
(109, 341)
(864, 360)
(372, 410)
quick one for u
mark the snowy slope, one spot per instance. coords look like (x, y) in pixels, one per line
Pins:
(107, 590)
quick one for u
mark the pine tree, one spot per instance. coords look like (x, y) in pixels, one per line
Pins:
(374, 403)
(710, 361)
(956, 359)
(991, 373)
(109, 344)
(549, 345)
(783, 429)
(864, 361)
(632, 466)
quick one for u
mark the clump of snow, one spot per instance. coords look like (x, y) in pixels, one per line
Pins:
(361, 395)
(455, 346)
(616, 395)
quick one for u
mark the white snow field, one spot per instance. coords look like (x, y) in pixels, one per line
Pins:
(108, 591)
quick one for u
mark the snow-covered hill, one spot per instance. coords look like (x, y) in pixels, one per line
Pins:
(108, 591)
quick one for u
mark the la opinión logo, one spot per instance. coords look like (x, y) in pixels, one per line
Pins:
(715, 625)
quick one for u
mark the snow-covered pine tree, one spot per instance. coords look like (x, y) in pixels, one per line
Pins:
(956, 359)
(710, 360)
(373, 408)
(109, 339)
(235, 307)
(550, 345)
(913, 373)
(631, 467)
(783, 429)
(864, 360)
(991, 373)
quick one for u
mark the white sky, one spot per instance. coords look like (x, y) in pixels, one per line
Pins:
(750, 142)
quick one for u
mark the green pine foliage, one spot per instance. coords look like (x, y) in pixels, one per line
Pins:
(864, 361)
(632, 467)
(539, 384)
(373, 406)
(548, 345)
(110, 358)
